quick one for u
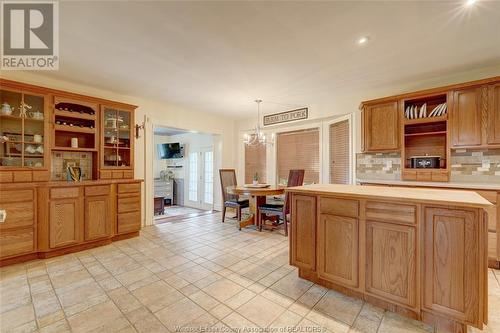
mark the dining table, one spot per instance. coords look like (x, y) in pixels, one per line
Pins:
(257, 196)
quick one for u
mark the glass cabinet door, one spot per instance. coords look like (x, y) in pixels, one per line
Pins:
(117, 136)
(22, 122)
(33, 134)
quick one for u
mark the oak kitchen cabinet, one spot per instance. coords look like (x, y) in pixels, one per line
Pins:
(494, 114)
(420, 254)
(17, 231)
(98, 215)
(466, 117)
(381, 127)
(65, 217)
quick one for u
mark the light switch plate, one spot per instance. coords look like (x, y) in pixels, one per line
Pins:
(486, 164)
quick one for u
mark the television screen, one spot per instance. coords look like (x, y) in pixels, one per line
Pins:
(170, 150)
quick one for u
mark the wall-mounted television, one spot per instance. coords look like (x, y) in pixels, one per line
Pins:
(170, 150)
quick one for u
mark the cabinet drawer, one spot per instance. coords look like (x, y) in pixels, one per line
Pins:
(493, 247)
(97, 190)
(409, 175)
(19, 214)
(129, 188)
(439, 176)
(16, 242)
(117, 174)
(128, 174)
(16, 196)
(105, 174)
(6, 177)
(391, 212)
(22, 176)
(129, 204)
(129, 222)
(64, 192)
(424, 175)
(41, 176)
(341, 207)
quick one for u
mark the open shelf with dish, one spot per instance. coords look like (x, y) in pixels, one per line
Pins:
(425, 139)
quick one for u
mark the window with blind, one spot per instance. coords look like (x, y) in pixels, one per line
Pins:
(255, 162)
(339, 153)
(298, 150)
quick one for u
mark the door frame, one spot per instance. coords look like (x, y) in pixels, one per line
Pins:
(325, 162)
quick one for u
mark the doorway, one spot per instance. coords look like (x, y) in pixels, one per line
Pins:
(339, 156)
(183, 170)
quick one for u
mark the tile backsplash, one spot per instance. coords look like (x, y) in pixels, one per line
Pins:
(478, 165)
(467, 165)
(60, 160)
(378, 166)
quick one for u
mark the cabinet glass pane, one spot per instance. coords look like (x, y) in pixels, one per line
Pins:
(124, 129)
(33, 131)
(11, 140)
(110, 129)
(110, 156)
(123, 157)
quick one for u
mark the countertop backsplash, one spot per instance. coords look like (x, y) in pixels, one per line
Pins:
(378, 166)
(467, 166)
(475, 165)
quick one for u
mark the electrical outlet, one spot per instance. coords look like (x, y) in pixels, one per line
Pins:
(486, 164)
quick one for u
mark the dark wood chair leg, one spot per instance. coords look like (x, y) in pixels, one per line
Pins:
(223, 214)
(259, 219)
(285, 223)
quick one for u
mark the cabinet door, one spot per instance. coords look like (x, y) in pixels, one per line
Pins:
(338, 249)
(466, 118)
(494, 114)
(303, 232)
(381, 127)
(65, 222)
(97, 217)
(391, 262)
(451, 263)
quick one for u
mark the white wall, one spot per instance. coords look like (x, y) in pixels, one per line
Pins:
(151, 112)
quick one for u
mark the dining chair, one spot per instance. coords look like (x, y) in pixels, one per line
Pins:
(280, 211)
(228, 179)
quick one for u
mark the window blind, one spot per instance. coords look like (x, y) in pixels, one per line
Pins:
(298, 150)
(339, 153)
(255, 161)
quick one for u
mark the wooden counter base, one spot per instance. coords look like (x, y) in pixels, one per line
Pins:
(55, 218)
(419, 253)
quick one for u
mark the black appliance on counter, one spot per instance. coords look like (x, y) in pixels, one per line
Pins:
(425, 162)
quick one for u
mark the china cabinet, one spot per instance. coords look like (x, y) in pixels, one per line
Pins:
(24, 153)
(117, 142)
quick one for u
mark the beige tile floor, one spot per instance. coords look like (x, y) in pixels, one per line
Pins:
(191, 276)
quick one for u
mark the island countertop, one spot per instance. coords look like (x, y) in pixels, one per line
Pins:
(421, 195)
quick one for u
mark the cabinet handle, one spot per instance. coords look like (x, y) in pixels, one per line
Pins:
(3, 215)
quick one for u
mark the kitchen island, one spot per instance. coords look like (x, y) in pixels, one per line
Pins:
(419, 252)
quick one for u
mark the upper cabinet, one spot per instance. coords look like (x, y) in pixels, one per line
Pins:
(24, 152)
(117, 139)
(381, 127)
(494, 114)
(466, 118)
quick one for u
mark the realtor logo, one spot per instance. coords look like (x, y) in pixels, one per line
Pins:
(30, 35)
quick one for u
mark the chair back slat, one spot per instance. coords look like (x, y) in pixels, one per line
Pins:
(227, 179)
(295, 178)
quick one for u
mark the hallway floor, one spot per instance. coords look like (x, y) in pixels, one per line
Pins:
(189, 276)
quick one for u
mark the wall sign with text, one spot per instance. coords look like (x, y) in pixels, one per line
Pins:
(284, 117)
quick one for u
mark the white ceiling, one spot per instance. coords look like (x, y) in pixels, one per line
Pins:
(219, 56)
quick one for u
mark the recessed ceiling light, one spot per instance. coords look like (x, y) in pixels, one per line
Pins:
(363, 40)
(470, 2)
